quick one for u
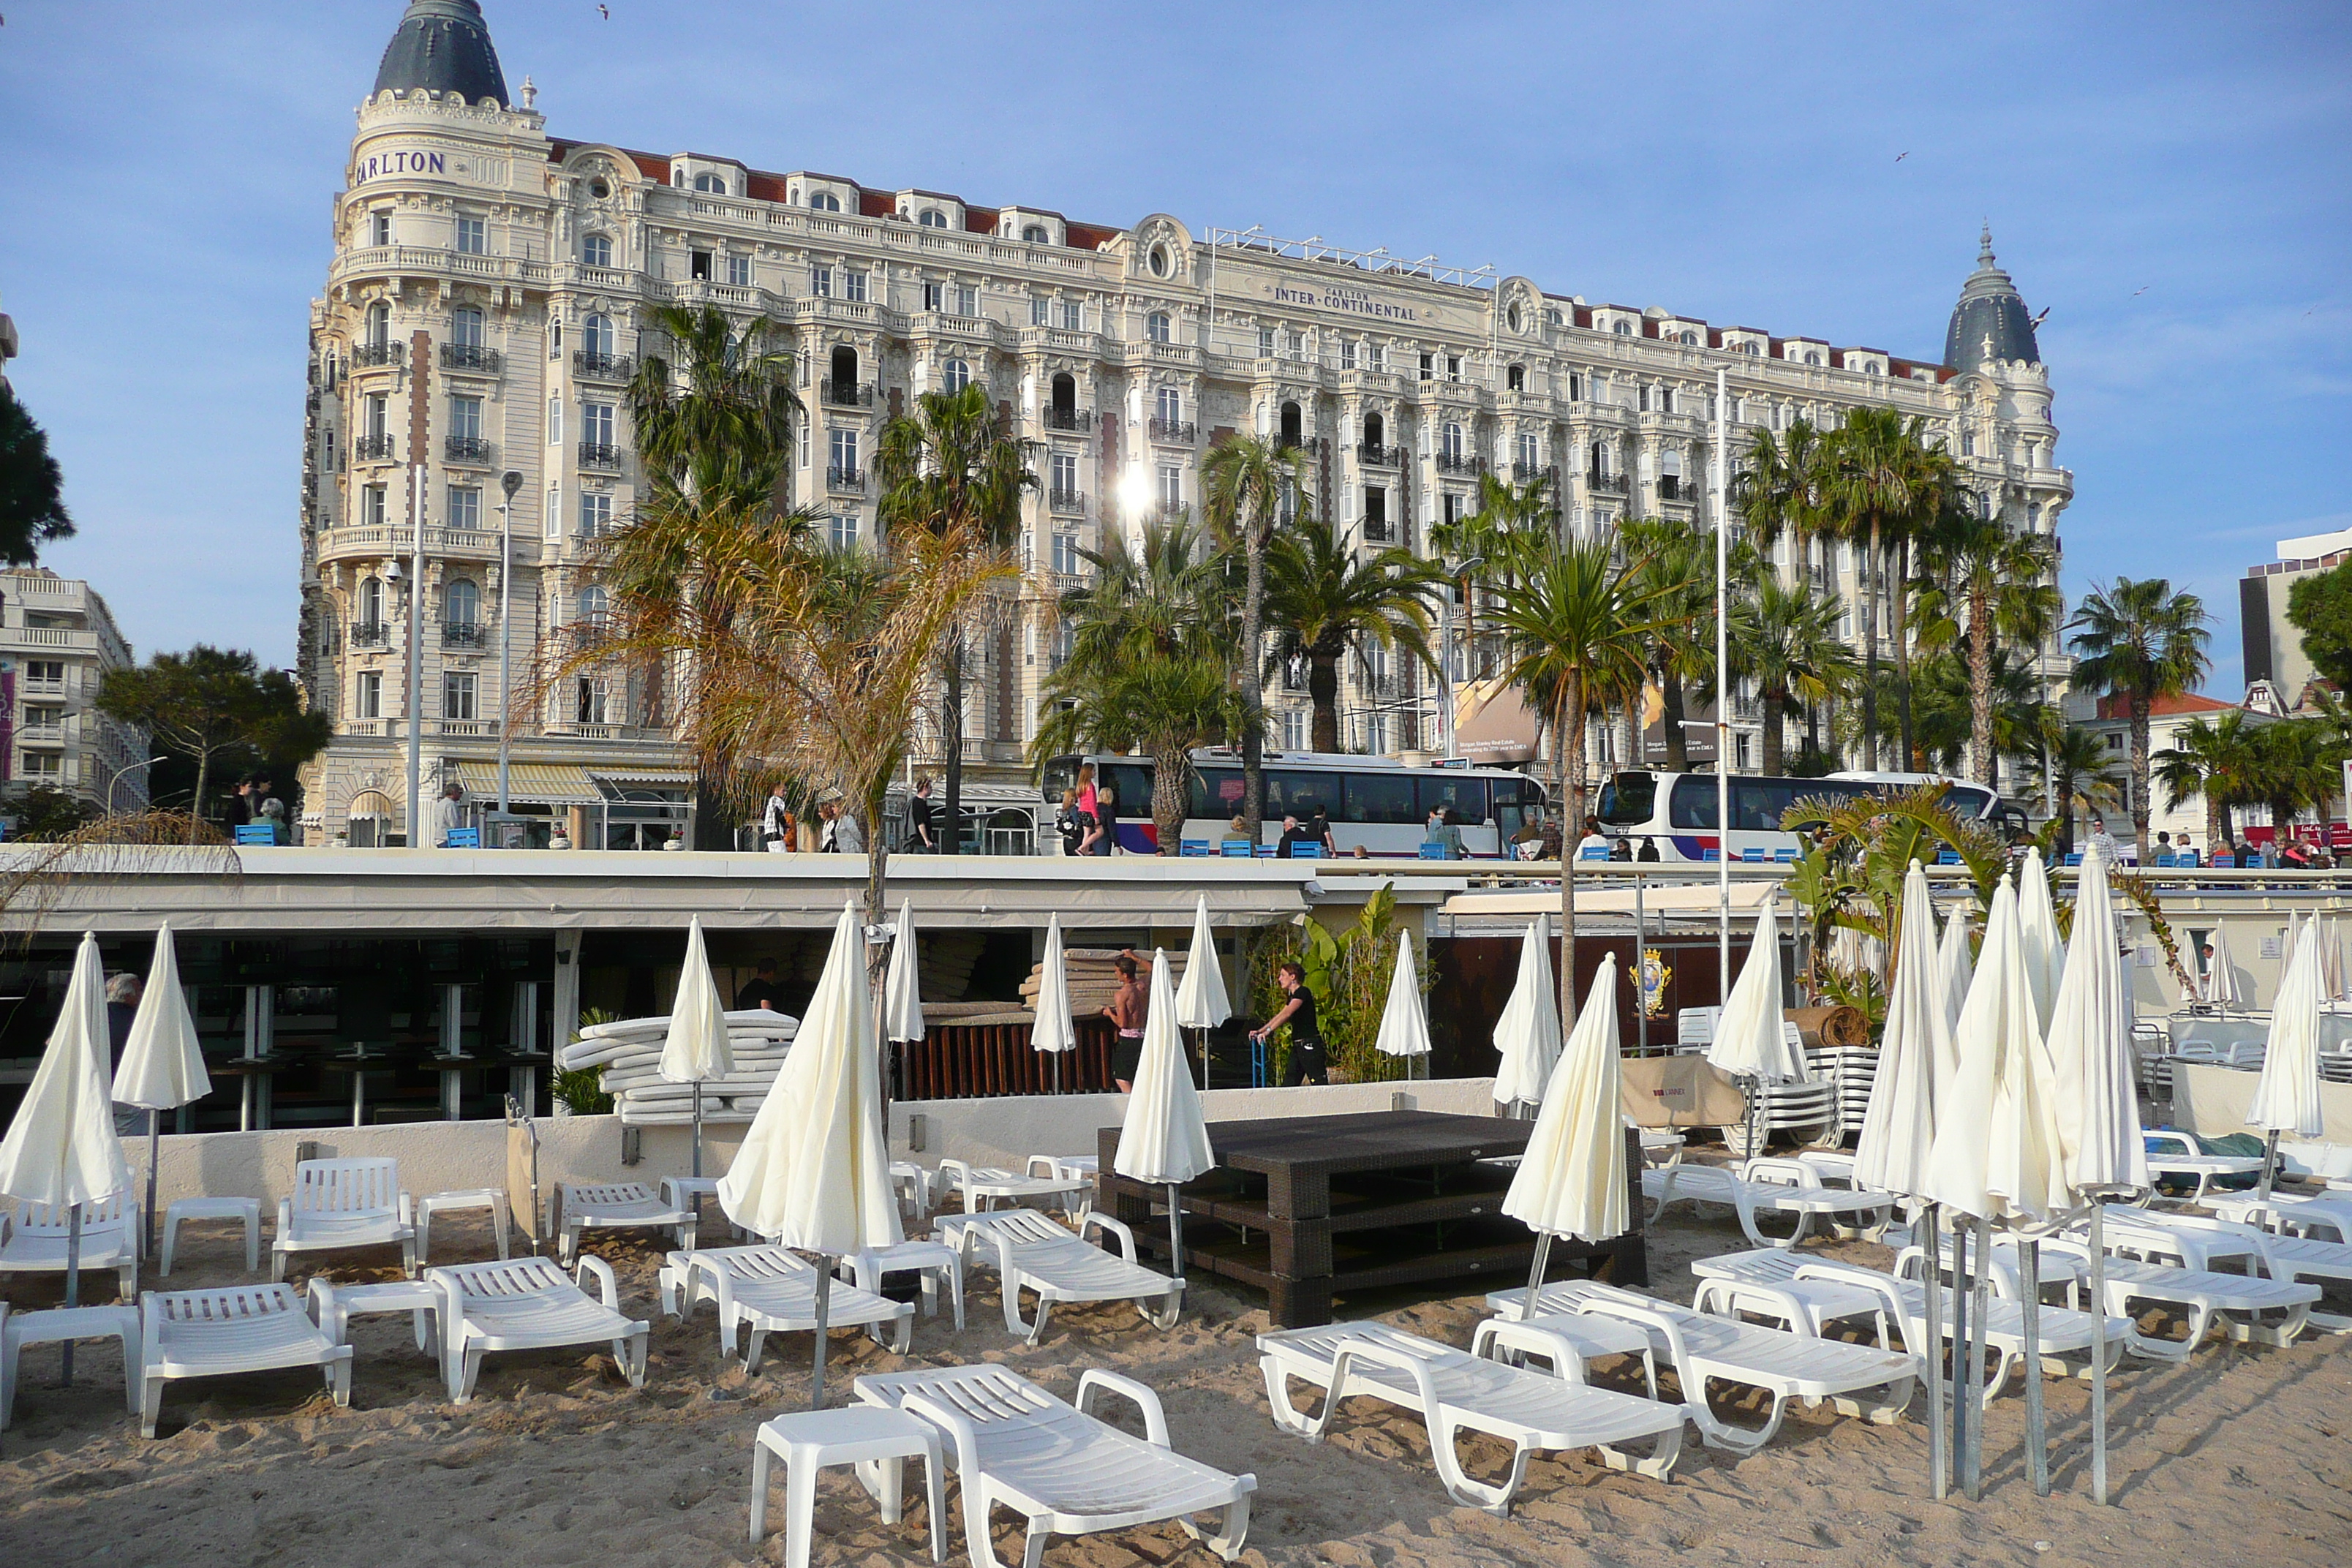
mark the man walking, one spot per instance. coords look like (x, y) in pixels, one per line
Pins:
(921, 839)
(776, 823)
(1306, 1063)
(849, 832)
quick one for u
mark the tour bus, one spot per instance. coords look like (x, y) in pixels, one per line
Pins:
(1676, 812)
(1379, 803)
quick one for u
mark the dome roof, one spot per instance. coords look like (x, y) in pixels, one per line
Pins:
(443, 45)
(1990, 321)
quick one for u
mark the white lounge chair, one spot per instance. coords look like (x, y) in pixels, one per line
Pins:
(2238, 1304)
(2299, 1258)
(1032, 1253)
(2177, 1154)
(342, 1203)
(528, 1304)
(983, 1187)
(615, 1205)
(33, 1240)
(2284, 1214)
(1703, 1349)
(2060, 1332)
(215, 1333)
(1454, 1392)
(770, 1291)
(1778, 1186)
(1067, 1473)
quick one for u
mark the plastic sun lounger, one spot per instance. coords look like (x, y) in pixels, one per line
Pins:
(770, 1291)
(1018, 1446)
(342, 1203)
(1704, 1348)
(2176, 1154)
(527, 1304)
(982, 1185)
(617, 1206)
(2235, 1303)
(1455, 1392)
(2290, 1257)
(35, 1238)
(216, 1334)
(2322, 1219)
(1787, 1187)
(1035, 1254)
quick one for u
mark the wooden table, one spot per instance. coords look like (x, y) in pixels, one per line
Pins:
(1309, 1207)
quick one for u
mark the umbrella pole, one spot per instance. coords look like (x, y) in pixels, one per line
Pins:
(1536, 1274)
(2098, 1358)
(2270, 1165)
(155, 1145)
(1932, 1353)
(1176, 1228)
(823, 1305)
(1959, 1328)
(1972, 1462)
(698, 1136)
(2037, 1438)
(73, 1279)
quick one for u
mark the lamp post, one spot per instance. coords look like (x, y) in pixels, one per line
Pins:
(1722, 699)
(509, 483)
(1445, 647)
(118, 776)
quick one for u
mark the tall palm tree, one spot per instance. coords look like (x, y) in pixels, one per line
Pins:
(1578, 627)
(2139, 639)
(1943, 698)
(1326, 602)
(2076, 771)
(2218, 759)
(1488, 546)
(2297, 763)
(1784, 488)
(1984, 584)
(713, 420)
(1678, 559)
(1888, 478)
(951, 470)
(1784, 637)
(1245, 480)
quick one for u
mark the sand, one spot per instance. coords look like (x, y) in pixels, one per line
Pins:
(2240, 1456)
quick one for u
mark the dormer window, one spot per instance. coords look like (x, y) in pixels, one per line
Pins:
(1623, 329)
(710, 185)
(823, 202)
(932, 218)
(1690, 339)
(1033, 234)
(1813, 358)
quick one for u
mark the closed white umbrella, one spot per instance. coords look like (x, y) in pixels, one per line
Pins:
(1164, 1140)
(697, 1045)
(2331, 956)
(813, 1172)
(1750, 1043)
(1898, 1128)
(902, 984)
(61, 1149)
(1405, 1026)
(1201, 1000)
(1055, 1030)
(2286, 1096)
(1527, 1033)
(2221, 987)
(163, 1064)
(2045, 950)
(1953, 963)
(1572, 1179)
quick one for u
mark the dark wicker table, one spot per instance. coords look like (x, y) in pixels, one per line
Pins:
(1309, 1207)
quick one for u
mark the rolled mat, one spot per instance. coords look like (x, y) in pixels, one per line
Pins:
(1831, 1027)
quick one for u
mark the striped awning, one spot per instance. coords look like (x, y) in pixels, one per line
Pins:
(541, 783)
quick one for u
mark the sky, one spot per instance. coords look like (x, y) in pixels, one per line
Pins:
(2173, 183)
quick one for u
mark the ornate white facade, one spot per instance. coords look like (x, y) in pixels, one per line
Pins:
(489, 281)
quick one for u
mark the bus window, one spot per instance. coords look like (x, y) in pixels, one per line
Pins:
(1381, 798)
(1970, 803)
(1133, 782)
(1289, 793)
(1217, 793)
(1693, 802)
(1061, 773)
(1627, 800)
(1467, 798)
(1517, 802)
(1756, 804)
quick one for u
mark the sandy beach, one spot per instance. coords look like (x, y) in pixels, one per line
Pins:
(2241, 1455)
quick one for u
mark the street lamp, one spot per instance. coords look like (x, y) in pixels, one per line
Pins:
(118, 776)
(509, 483)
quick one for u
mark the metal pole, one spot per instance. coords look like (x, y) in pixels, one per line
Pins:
(2270, 1165)
(1641, 976)
(1722, 699)
(155, 1147)
(2098, 1357)
(2037, 1435)
(1536, 1274)
(824, 1308)
(73, 1279)
(1972, 1462)
(509, 483)
(1959, 1433)
(697, 1141)
(1176, 1227)
(1931, 1222)
(416, 833)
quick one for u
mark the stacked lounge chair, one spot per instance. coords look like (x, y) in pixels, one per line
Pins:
(629, 1053)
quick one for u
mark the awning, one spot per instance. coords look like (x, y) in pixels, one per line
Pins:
(371, 804)
(541, 783)
(655, 778)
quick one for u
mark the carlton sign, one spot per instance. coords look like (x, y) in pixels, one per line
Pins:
(378, 164)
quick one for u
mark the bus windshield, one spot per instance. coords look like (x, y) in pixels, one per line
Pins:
(1627, 800)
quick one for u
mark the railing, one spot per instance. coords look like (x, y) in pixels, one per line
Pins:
(1374, 457)
(1522, 472)
(372, 448)
(1066, 500)
(42, 734)
(474, 727)
(366, 354)
(1376, 531)
(465, 634)
(1310, 444)
(851, 479)
(1671, 487)
(467, 449)
(851, 394)
(371, 634)
(1066, 419)
(600, 455)
(469, 356)
(603, 367)
(1461, 463)
(1608, 484)
(591, 732)
(1175, 432)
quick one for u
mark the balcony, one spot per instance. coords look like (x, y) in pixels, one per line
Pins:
(852, 480)
(1066, 419)
(1458, 463)
(465, 634)
(1373, 456)
(366, 354)
(603, 367)
(476, 729)
(1522, 472)
(1174, 432)
(371, 634)
(1608, 484)
(42, 735)
(1674, 487)
(1378, 531)
(466, 449)
(1066, 500)
(845, 395)
(600, 455)
(470, 356)
(372, 448)
(1310, 444)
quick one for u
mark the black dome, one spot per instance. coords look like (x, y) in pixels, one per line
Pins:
(443, 45)
(1989, 311)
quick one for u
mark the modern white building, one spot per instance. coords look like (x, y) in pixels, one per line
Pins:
(58, 640)
(2272, 644)
(488, 300)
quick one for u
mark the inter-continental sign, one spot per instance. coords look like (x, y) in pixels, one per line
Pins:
(1332, 297)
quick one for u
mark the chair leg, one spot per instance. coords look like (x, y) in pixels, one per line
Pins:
(252, 1243)
(469, 1367)
(498, 1223)
(151, 1403)
(1227, 1542)
(1033, 1550)
(278, 1266)
(339, 1381)
(891, 1488)
(751, 1351)
(936, 1484)
(171, 1241)
(408, 1258)
(761, 1460)
(630, 1352)
(424, 1242)
(800, 1511)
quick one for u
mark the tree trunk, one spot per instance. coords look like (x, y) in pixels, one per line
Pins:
(1980, 685)
(2139, 774)
(877, 957)
(1571, 723)
(1323, 691)
(1169, 805)
(1870, 570)
(1899, 593)
(951, 739)
(1253, 682)
(1805, 573)
(2217, 821)
(1671, 714)
(196, 802)
(1776, 706)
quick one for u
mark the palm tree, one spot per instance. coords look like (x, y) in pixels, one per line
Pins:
(1678, 559)
(2296, 763)
(951, 469)
(2137, 640)
(1984, 584)
(1326, 602)
(2217, 760)
(1784, 637)
(1887, 477)
(1578, 627)
(1245, 482)
(715, 424)
(1488, 546)
(1783, 489)
(1943, 699)
(2076, 771)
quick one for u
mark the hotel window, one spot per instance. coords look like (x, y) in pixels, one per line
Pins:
(1429, 367)
(371, 612)
(1065, 557)
(933, 218)
(1266, 343)
(596, 423)
(1033, 234)
(462, 603)
(1155, 326)
(595, 515)
(1453, 367)
(853, 285)
(1066, 473)
(380, 228)
(555, 421)
(1527, 453)
(1377, 356)
(823, 202)
(367, 702)
(378, 325)
(1376, 734)
(1968, 443)
(596, 250)
(843, 453)
(596, 338)
(466, 328)
(473, 237)
(820, 282)
(1376, 514)
(372, 505)
(44, 672)
(1171, 489)
(934, 298)
(1348, 354)
(739, 271)
(956, 376)
(465, 418)
(590, 605)
(589, 699)
(967, 301)
(1453, 506)
(1169, 406)
(1623, 329)
(465, 508)
(1516, 378)
(841, 530)
(1074, 315)
(1449, 444)
(458, 695)
(710, 185)
(1294, 729)
(1041, 311)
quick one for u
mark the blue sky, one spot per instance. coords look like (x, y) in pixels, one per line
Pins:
(2171, 181)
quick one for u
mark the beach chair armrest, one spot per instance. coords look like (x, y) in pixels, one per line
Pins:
(407, 1209)
(960, 1178)
(1052, 1167)
(609, 1286)
(1660, 1323)
(957, 1427)
(1882, 1287)
(285, 1218)
(1351, 1349)
(1155, 1419)
(1097, 1220)
(1496, 1337)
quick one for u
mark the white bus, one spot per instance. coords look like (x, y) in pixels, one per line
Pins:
(1379, 803)
(1676, 812)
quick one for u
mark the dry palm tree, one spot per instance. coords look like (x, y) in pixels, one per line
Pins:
(2137, 640)
(1245, 483)
(1326, 601)
(1985, 585)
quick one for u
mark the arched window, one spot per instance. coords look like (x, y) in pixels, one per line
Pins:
(464, 602)
(710, 185)
(1516, 378)
(823, 202)
(845, 375)
(591, 605)
(465, 327)
(955, 376)
(1376, 431)
(1450, 443)
(1515, 317)
(1812, 359)
(1065, 393)
(1155, 326)
(1750, 348)
(378, 325)
(596, 336)
(1292, 423)
(1033, 234)
(1690, 339)
(596, 250)
(1600, 460)
(370, 610)
(933, 218)
(1623, 329)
